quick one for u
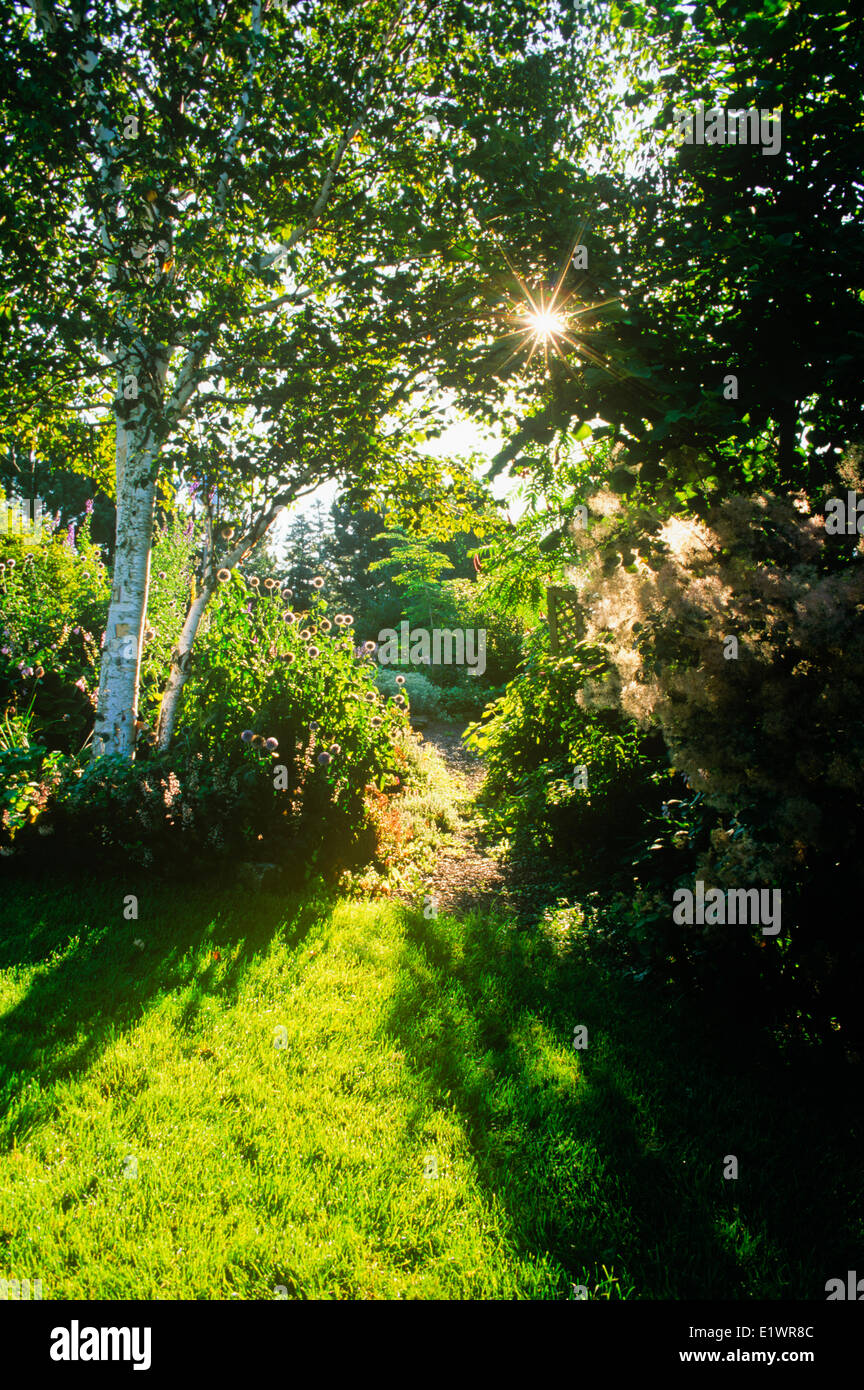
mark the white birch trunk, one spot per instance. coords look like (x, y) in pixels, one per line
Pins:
(179, 673)
(117, 710)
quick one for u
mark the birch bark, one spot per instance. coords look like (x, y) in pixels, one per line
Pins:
(119, 677)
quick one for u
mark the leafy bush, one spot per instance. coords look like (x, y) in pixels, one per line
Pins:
(53, 605)
(739, 639)
(468, 699)
(424, 698)
(28, 775)
(280, 735)
(534, 739)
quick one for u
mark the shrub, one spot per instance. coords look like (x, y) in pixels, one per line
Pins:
(53, 606)
(424, 698)
(764, 729)
(536, 736)
(280, 733)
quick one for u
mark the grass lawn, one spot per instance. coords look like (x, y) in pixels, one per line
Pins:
(247, 1105)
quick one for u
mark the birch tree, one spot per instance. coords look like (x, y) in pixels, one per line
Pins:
(204, 189)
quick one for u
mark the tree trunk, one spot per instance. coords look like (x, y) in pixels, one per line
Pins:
(117, 710)
(179, 672)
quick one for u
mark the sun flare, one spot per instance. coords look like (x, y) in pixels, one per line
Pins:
(545, 324)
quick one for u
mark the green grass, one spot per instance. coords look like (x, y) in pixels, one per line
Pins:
(302, 1167)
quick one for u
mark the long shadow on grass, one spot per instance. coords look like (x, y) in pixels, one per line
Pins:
(623, 1165)
(93, 981)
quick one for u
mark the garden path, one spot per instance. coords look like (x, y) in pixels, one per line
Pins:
(468, 874)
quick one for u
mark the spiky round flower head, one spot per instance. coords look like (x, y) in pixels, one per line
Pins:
(290, 659)
(271, 744)
(324, 759)
(11, 564)
(269, 584)
(376, 722)
(149, 634)
(371, 697)
(289, 619)
(254, 581)
(39, 672)
(347, 620)
(313, 652)
(401, 701)
(369, 646)
(223, 575)
(257, 741)
(306, 634)
(400, 680)
(335, 750)
(314, 726)
(317, 582)
(227, 532)
(286, 592)
(247, 736)
(326, 625)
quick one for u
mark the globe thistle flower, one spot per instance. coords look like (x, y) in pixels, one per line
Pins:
(369, 646)
(317, 582)
(339, 619)
(247, 736)
(306, 634)
(10, 564)
(227, 532)
(335, 750)
(286, 592)
(370, 697)
(324, 759)
(314, 726)
(376, 722)
(271, 744)
(347, 620)
(257, 741)
(223, 575)
(326, 625)
(313, 652)
(400, 680)
(254, 581)
(290, 659)
(269, 584)
(289, 619)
